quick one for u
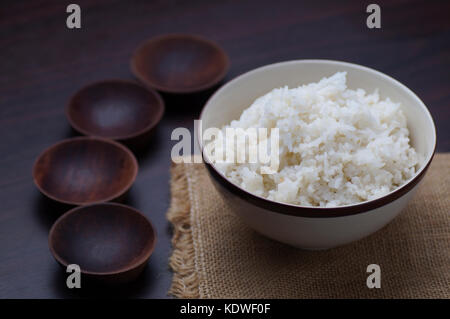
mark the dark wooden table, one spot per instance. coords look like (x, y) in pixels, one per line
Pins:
(42, 63)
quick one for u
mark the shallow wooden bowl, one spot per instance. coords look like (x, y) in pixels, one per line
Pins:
(85, 170)
(115, 109)
(109, 242)
(179, 63)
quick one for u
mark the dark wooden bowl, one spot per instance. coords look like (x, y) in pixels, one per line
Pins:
(115, 109)
(85, 170)
(179, 63)
(110, 242)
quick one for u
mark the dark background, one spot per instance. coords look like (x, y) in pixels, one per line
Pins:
(42, 63)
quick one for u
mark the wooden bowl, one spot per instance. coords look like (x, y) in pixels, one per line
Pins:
(85, 170)
(115, 109)
(110, 242)
(179, 63)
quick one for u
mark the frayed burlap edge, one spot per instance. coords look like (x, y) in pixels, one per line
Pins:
(185, 281)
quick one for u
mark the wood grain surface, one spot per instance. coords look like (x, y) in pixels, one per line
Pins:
(42, 63)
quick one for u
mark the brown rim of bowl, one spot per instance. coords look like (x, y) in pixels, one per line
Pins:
(123, 137)
(166, 89)
(100, 139)
(313, 211)
(134, 265)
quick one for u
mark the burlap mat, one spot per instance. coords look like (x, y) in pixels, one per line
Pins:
(215, 255)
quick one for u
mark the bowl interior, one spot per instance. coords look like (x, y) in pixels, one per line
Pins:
(114, 109)
(179, 63)
(85, 170)
(102, 238)
(229, 102)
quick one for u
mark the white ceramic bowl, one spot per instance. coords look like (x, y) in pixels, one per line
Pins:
(313, 227)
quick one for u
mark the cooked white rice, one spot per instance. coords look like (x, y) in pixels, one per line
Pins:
(337, 146)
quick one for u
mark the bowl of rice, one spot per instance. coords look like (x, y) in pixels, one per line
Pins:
(352, 147)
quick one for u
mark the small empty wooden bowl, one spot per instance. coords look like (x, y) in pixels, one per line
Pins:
(85, 170)
(179, 63)
(115, 109)
(109, 242)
